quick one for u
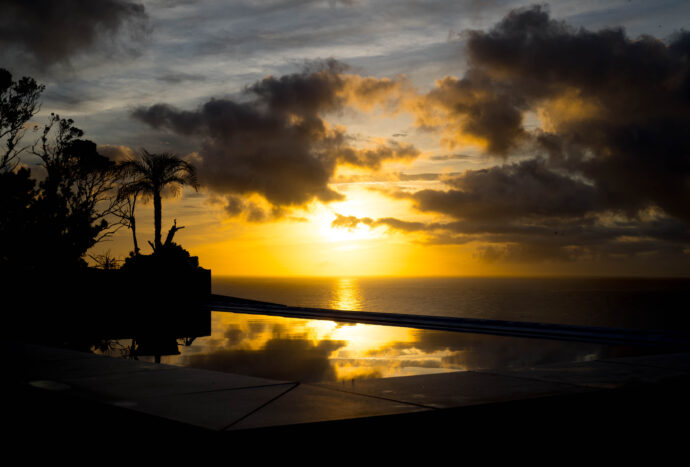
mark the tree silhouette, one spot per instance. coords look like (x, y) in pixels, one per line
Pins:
(19, 219)
(78, 194)
(128, 195)
(49, 223)
(18, 103)
(155, 173)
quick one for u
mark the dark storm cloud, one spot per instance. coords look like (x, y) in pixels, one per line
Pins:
(615, 109)
(633, 142)
(423, 176)
(275, 142)
(392, 176)
(372, 158)
(313, 90)
(116, 152)
(253, 212)
(611, 172)
(474, 106)
(448, 157)
(512, 191)
(48, 32)
(175, 78)
(526, 253)
(352, 222)
(546, 239)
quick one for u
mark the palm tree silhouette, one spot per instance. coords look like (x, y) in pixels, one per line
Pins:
(154, 173)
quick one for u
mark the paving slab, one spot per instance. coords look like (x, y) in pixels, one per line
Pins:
(457, 389)
(309, 403)
(163, 382)
(221, 401)
(595, 374)
(36, 353)
(678, 361)
(214, 410)
(87, 367)
(23, 362)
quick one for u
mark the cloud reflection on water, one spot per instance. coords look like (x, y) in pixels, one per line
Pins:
(315, 350)
(282, 358)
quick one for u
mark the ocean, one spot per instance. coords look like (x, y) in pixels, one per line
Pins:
(614, 302)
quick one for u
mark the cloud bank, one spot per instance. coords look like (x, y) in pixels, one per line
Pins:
(607, 171)
(275, 142)
(589, 129)
(46, 32)
(613, 110)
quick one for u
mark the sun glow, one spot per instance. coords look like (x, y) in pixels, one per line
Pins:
(305, 243)
(341, 235)
(357, 205)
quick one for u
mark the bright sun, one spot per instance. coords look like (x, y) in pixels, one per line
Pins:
(325, 218)
(339, 234)
(359, 203)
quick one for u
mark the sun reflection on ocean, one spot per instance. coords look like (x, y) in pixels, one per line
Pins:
(346, 295)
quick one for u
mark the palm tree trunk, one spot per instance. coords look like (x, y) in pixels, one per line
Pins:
(133, 226)
(133, 222)
(157, 214)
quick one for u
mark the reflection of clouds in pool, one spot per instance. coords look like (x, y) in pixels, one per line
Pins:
(474, 351)
(256, 327)
(234, 334)
(319, 350)
(355, 370)
(307, 350)
(282, 359)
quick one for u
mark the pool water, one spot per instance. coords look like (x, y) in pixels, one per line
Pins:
(306, 350)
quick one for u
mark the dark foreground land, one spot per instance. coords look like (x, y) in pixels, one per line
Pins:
(636, 402)
(624, 406)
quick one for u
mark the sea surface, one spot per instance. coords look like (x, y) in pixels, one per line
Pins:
(293, 349)
(613, 302)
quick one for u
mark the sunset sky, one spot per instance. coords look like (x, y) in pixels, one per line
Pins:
(392, 137)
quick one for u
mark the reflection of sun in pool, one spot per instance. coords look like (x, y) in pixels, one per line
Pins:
(362, 350)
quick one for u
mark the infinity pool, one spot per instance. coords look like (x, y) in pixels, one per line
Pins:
(316, 350)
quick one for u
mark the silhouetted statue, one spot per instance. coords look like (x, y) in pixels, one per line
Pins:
(171, 232)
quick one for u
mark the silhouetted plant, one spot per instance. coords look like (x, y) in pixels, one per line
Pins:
(18, 103)
(78, 193)
(18, 226)
(125, 210)
(106, 261)
(83, 197)
(155, 173)
(168, 257)
(19, 220)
